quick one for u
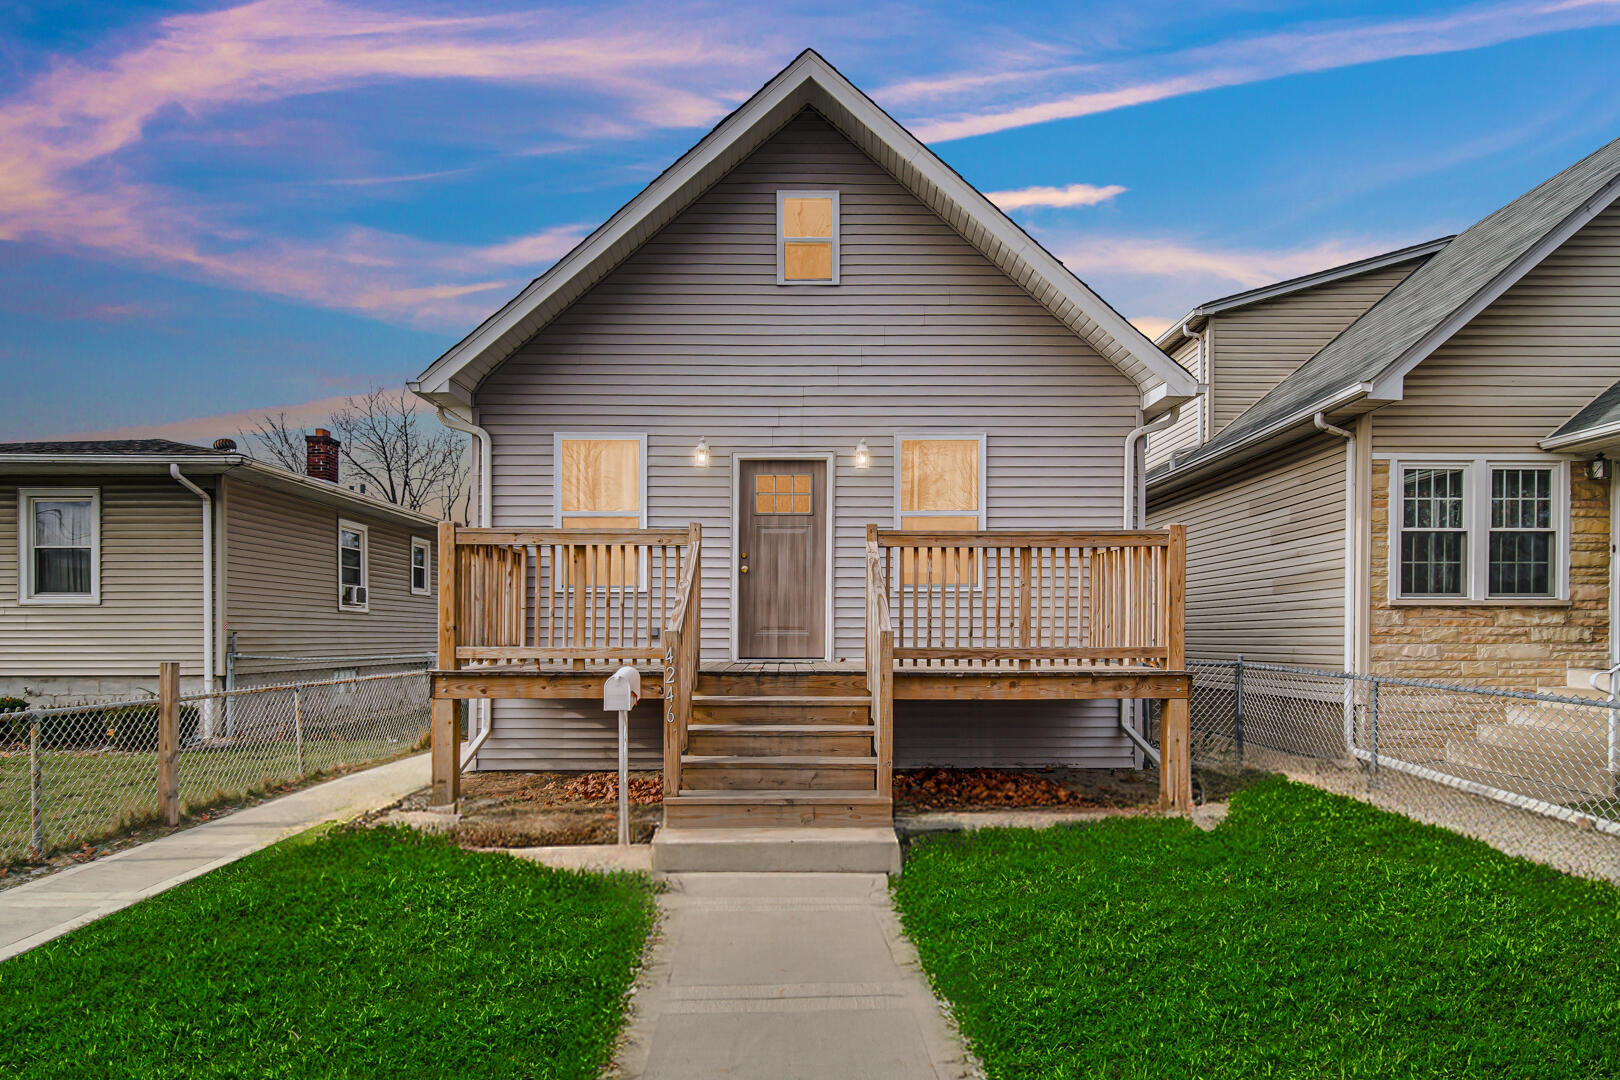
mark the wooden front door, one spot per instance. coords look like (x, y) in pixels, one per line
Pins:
(782, 560)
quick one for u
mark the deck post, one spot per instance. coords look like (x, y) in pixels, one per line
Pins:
(446, 754)
(1175, 727)
(169, 741)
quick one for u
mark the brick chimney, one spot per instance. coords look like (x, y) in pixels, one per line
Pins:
(321, 456)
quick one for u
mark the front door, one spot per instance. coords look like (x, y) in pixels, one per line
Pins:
(782, 560)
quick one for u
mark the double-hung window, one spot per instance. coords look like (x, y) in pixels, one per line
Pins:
(354, 566)
(939, 487)
(59, 546)
(421, 563)
(601, 484)
(807, 237)
(1479, 529)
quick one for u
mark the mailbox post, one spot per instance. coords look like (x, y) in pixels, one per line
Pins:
(620, 694)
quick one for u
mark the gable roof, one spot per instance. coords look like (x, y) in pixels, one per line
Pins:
(1174, 335)
(809, 81)
(1369, 359)
(1598, 423)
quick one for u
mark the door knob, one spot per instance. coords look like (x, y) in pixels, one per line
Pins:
(742, 569)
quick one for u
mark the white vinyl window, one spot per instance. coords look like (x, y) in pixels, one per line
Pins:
(1476, 529)
(602, 484)
(421, 566)
(354, 567)
(939, 487)
(807, 237)
(59, 546)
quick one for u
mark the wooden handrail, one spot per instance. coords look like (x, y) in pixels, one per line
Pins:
(683, 645)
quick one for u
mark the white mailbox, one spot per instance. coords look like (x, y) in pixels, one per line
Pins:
(622, 690)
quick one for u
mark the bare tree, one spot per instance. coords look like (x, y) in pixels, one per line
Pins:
(388, 447)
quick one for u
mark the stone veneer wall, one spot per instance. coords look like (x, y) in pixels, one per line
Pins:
(1513, 646)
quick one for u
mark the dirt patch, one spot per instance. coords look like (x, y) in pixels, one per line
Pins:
(919, 790)
(547, 809)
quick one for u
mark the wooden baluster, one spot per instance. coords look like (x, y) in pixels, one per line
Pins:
(1024, 597)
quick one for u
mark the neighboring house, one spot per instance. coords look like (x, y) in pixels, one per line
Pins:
(123, 554)
(1394, 469)
(806, 326)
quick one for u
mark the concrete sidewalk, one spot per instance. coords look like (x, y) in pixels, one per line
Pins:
(787, 977)
(35, 913)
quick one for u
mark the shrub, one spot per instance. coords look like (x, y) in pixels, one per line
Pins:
(16, 730)
(135, 727)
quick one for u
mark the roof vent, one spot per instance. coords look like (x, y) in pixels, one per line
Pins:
(225, 446)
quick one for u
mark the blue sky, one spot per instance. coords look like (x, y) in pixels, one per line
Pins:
(208, 212)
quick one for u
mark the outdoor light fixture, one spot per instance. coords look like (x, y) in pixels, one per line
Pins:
(863, 456)
(1597, 468)
(700, 456)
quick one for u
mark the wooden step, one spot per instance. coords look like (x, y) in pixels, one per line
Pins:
(752, 708)
(734, 809)
(736, 772)
(773, 682)
(767, 740)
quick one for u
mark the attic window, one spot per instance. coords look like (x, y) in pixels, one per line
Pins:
(807, 237)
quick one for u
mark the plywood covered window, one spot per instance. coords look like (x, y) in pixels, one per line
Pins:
(601, 484)
(807, 237)
(939, 487)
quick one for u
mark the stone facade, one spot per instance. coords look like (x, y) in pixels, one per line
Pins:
(1512, 646)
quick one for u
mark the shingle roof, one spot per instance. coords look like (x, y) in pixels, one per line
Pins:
(1403, 324)
(127, 447)
(1601, 411)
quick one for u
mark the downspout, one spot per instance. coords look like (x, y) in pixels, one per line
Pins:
(486, 515)
(1132, 513)
(208, 594)
(1198, 372)
(1352, 534)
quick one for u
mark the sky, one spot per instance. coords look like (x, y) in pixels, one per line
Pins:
(210, 212)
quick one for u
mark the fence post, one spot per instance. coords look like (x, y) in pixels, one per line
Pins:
(169, 741)
(446, 739)
(1372, 721)
(298, 730)
(1237, 707)
(36, 794)
(230, 684)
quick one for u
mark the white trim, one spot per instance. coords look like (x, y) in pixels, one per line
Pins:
(557, 438)
(1614, 568)
(426, 548)
(782, 239)
(1582, 437)
(25, 544)
(829, 618)
(1477, 469)
(345, 525)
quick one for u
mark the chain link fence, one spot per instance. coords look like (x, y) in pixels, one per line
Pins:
(80, 774)
(1534, 774)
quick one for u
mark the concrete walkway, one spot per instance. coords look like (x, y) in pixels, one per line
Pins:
(785, 977)
(35, 913)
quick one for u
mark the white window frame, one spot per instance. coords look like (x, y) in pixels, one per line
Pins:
(345, 525)
(426, 548)
(26, 497)
(557, 439)
(782, 238)
(1476, 470)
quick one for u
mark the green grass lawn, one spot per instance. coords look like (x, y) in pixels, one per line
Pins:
(345, 954)
(1310, 935)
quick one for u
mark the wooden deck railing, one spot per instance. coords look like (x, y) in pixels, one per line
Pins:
(880, 665)
(1108, 598)
(683, 643)
(584, 598)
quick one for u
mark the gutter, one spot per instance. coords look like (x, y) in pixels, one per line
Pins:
(208, 593)
(486, 515)
(1352, 532)
(1577, 441)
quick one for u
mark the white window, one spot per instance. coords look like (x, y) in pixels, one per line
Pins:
(807, 237)
(421, 562)
(1477, 529)
(939, 487)
(59, 546)
(602, 484)
(354, 567)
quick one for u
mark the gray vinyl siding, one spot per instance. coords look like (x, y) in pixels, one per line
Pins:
(1262, 344)
(151, 588)
(1265, 559)
(1524, 365)
(281, 581)
(1186, 430)
(691, 337)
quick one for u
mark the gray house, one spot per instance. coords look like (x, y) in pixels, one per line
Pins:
(812, 349)
(117, 556)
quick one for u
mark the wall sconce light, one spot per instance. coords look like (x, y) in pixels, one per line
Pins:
(863, 455)
(1597, 468)
(700, 455)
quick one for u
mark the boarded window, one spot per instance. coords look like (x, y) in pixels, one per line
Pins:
(807, 237)
(940, 491)
(599, 487)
